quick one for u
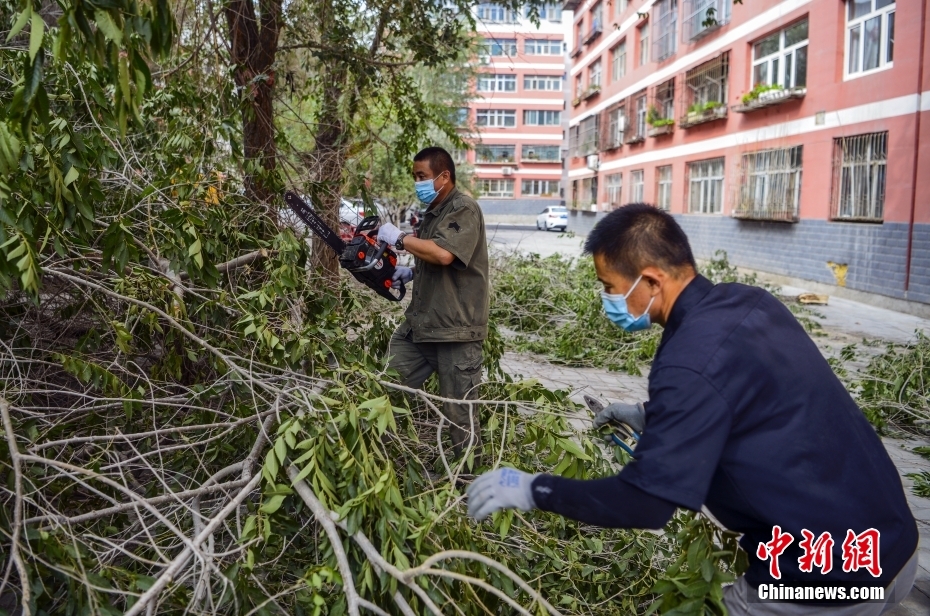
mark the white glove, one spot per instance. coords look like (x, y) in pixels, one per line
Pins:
(401, 275)
(633, 415)
(388, 233)
(505, 488)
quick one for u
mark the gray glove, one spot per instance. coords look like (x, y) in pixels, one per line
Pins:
(633, 415)
(388, 233)
(401, 275)
(505, 488)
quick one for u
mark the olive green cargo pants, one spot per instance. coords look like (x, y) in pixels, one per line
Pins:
(458, 365)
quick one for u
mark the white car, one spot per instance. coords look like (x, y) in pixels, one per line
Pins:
(553, 217)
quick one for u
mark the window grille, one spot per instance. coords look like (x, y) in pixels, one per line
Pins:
(495, 153)
(500, 189)
(663, 100)
(597, 23)
(540, 188)
(781, 59)
(540, 117)
(869, 35)
(637, 122)
(594, 75)
(574, 138)
(705, 186)
(637, 186)
(588, 136)
(704, 16)
(666, 30)
(770, 185)
(547, 153)
(613, 125)
(704, 95)
(859, 164)
(664, 187)
(542, 47)
(618, 61)
(550, 83)
(584, 193)
(496, 117)
(497, 83)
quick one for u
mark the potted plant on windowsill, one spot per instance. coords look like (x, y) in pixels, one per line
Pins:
(765, 95)
(576, 101)
(591, 91)
(703, 112)
(659, 125)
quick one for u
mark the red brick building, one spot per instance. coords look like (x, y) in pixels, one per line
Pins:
(794, 134)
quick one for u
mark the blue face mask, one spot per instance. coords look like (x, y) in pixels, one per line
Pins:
(425, 191)
(617, 311)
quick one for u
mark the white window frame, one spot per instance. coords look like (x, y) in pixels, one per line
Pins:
(542, 83)
(615, 135)
(637, 185)
(664, 187)
(495, 14)
(538, 114)
(640, 110)
(504, 48)
(589, 134)
(539, 188)
(780, 57)
(496, 188)
(496, 82)
(496, 118)
(547, 12)
(498, 154)
(620, 6)
(595, 73)
(618, 61)
(542, 47)
(614, 190)
(705, 186)
(643, 34)
(884, 14)
(531, 152)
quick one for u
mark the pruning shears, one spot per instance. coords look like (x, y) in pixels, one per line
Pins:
(621, 434)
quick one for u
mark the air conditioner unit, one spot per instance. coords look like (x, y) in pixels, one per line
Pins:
(593, 162)
(507, 170)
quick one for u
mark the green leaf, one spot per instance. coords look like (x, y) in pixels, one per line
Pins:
(35, 36)
(573, 448)
(20, 23)
(71, 175)
(194, 248)
(272, 504)
(280, 450)
(108, 26)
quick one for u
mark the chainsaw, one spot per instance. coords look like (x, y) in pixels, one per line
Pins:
(372, 262)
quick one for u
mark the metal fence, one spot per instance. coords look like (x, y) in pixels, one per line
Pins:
(704, 16)
(704, 93)
(859, 167)
(770, 185)
(613, 126)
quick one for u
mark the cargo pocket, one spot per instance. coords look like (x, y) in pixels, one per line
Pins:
(468, 371)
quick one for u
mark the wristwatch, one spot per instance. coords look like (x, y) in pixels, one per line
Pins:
(399, 244)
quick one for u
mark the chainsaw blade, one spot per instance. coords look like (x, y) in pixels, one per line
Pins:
(314, 222)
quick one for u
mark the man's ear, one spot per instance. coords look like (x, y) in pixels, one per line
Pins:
(655, 278)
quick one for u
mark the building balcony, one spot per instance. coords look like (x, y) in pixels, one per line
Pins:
(768, 98)
(666, 128)
(593, 33)
(699, 114)
(576, 51)
(593, 90)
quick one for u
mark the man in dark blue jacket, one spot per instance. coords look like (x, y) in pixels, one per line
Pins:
(744, 416)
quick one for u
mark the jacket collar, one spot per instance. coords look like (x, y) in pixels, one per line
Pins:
(434, 210)
(689, 297)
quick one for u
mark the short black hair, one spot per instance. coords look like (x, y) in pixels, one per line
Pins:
(638, 235)
(438, 159)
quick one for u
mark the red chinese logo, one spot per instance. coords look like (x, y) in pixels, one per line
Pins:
(861, 552)
(817, 553)
(773, 549)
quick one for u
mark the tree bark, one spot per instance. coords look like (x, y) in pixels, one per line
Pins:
(253, 46)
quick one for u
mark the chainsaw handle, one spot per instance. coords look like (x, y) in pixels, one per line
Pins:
(385, 292)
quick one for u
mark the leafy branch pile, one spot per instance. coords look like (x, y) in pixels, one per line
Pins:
(194, 418)
(894, 389)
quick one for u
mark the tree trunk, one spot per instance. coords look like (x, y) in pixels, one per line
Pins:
(253, 46)
(329, 158)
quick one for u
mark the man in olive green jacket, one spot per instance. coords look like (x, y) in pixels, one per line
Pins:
(447, 318)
